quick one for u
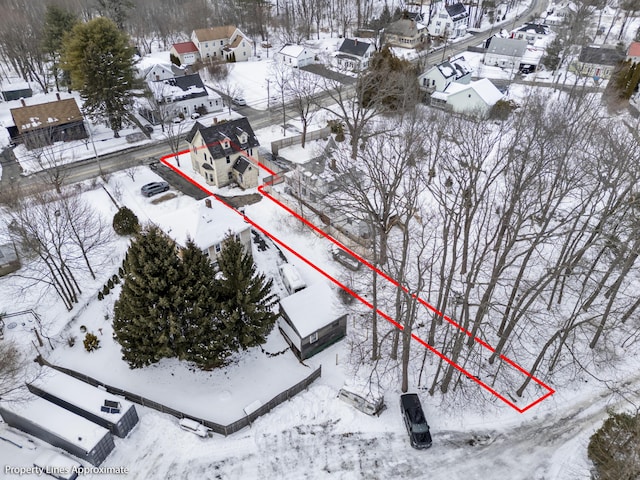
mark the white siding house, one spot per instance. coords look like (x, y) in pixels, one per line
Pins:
(295, 56)
(476, 98)
(222, 43)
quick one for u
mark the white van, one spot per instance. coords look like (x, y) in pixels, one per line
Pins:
(57, 465)
(367, 403)
(291, 278)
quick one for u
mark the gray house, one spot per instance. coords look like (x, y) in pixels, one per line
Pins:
(505, 52)
(354, 54)
(94, 404)
(309, 322)
(60, 428)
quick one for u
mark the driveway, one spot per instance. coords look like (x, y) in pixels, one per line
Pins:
(177, 181)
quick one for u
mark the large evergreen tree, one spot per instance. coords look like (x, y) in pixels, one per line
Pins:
(615, 448)
(57, 22)
(99, 59)
(245, 297)
(146, 323)
(203, 339)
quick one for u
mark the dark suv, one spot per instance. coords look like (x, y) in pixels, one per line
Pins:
(415, 421)
(151, 189)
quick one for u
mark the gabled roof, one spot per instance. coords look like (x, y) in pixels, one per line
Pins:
(484, 88)
(241, 165)
(507, 46)
(177, 88)
(230, 130)
(456, 11)
(600, 55)
(185, 47)
(354, 47)
(292, 50)
(205, 226)
(46, 115)
(404, 27)
(455, 68)
(536, 28)
(634, 50)
(214, 33)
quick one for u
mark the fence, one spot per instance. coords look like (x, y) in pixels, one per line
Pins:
(216, 427)
(288, 141)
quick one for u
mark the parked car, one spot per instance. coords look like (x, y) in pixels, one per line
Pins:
(153, 188)
(177, 120)
(344, 258)
(57, 465)
(195, 115)
(194, 427)
(415, 421)
(241, 102)
(291, 278)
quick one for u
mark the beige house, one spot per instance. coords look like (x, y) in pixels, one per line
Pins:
(208, 224)
(222, 43)
(225, 153)
(405, 33)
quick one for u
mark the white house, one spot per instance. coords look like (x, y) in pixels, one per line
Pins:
(185, 95)
(354, 54)
(476, 98)
(222, 43)
(186, 52)
(532, 32)
(309, 322)
(207, 223)
(225, 153)
(449, 20)
(438, 77)
(295, 56)
(156, 72)
(505, 52)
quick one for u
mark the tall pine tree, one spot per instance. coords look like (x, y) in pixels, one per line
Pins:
(204, 340)
(245, 297)
(99, 60)
(146, 322)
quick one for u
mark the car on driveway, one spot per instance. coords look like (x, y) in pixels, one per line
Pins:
(241, 102)
(153, 188)
(415, 421)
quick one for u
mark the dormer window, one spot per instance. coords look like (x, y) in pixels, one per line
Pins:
(243, 137)
(225, 144)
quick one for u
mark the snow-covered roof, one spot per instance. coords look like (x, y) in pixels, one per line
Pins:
(79, 393)
(75, 429)
(310, 309)
(178, 88)
(45, 115)
(507, 46)
(205, 226)
(292, 50)
(486, 90)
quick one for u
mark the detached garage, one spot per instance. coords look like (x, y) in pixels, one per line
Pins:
(60, 428)
(92, 403)
(309, 321)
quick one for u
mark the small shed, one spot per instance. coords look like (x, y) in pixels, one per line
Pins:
(9, 261)
(16, 91)
(309, 322)
(60, 428)
(92, 403)
(296, 56)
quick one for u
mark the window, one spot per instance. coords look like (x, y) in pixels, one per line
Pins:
(230, 176)
(217, 248)
(205, 158)
(313, 338)
(228, 159)
(221, 42)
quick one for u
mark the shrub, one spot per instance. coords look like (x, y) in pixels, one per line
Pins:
(125, 222)
(502, 109)
(100, 295)
(91, 342)
(71, 340)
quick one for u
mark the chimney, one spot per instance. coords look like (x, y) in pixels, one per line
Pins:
(58, 95)
(24, 104)
(215, 120)
(355, 41)
(207, 202)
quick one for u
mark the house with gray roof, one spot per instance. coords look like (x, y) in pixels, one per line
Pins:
(225, 153)
(599, 62)
(505, 52)
(438, 77)
(184, 95)
(531, 32)
(404, 33)
(450, 21)
(354, 54)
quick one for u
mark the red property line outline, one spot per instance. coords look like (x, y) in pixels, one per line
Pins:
(550, 391)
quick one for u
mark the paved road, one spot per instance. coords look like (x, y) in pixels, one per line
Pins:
(135, 156)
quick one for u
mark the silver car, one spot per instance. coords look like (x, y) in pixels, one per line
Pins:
(153, 188)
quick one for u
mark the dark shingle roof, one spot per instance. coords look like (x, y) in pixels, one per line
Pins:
(535, 27)
(215, 134)
(46, 115)
(241, 165)
(354, 47)
(600, 55)
(456, 10)
(186, 81)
